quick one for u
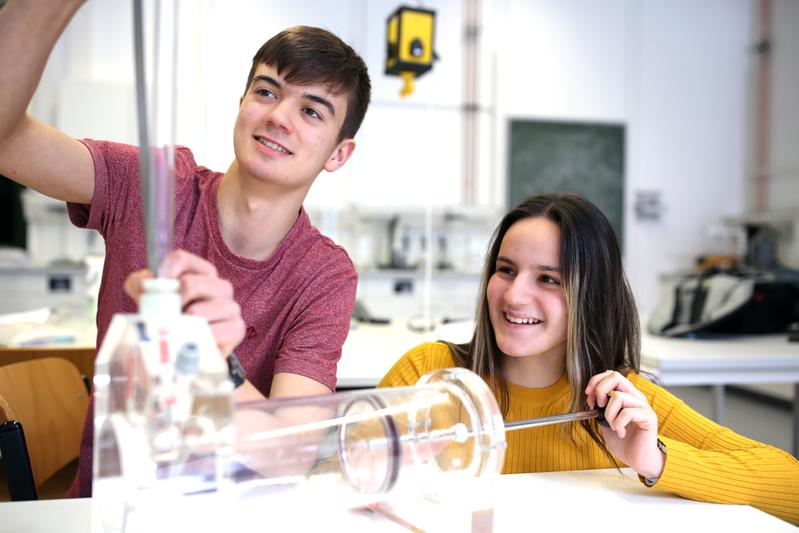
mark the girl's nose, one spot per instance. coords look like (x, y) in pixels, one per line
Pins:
(519, 292)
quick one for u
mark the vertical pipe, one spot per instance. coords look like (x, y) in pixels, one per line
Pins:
(427, 286)
(471, 9)
(156, 120)
(763, 142)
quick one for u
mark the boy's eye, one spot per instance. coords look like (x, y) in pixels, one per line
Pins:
(265, 92)
(311, 112)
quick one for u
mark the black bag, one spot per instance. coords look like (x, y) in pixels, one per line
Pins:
(742, 302)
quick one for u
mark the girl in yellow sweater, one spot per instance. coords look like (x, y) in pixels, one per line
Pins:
(557, 330)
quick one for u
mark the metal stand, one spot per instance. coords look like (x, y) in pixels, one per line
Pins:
(718, 404)
(796, 420)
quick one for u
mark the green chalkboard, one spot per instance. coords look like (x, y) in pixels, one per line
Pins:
(560, 157)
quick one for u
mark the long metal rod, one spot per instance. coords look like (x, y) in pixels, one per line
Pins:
(460, 432)
(145, 163)
(548, 420)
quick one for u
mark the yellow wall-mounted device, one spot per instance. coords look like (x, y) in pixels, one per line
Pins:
(409, 39)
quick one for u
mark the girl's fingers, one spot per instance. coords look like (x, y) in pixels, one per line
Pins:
(600, 386)
(640, 416)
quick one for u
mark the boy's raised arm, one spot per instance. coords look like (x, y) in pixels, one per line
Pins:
(31, 152)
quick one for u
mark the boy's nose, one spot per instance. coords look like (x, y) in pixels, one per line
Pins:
(279, 116)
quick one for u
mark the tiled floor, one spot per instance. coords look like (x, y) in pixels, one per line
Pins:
(768, 422)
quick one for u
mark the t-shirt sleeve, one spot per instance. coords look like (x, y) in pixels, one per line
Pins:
(312, 345)
(709, 462)
(117, 190)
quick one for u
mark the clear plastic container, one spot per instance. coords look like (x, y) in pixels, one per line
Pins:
(359, 447)
(164, 438)
(163, 410)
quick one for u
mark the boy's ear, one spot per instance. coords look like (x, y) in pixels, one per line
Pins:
(340, 155)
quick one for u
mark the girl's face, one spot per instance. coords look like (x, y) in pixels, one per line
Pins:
(526, 302)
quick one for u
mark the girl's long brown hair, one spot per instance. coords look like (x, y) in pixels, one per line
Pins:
(602, 326)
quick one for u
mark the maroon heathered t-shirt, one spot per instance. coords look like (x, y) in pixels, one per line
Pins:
(296, 304)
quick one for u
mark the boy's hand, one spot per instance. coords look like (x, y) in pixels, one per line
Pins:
(202, 292)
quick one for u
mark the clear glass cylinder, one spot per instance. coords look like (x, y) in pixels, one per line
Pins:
(165, 452)
(359, 447)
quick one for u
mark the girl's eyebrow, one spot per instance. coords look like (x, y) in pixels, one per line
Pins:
(541, 268)
(547, 268)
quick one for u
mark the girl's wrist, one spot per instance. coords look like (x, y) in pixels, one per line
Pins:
(658, 471)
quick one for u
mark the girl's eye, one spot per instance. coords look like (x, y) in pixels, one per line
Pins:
(549, 280)
(504, 270)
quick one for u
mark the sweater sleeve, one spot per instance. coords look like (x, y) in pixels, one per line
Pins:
(709, 462)
(417, 362)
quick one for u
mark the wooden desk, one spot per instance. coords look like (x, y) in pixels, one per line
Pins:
(81, 356)
(589, 500)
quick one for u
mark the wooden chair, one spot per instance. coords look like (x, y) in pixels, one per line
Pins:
(49, 399)
(81, 356)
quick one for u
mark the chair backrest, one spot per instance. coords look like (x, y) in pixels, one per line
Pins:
(49, 398)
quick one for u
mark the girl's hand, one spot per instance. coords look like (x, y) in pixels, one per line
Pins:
(633, 432)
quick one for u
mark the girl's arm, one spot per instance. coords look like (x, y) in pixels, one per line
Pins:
(709, 462)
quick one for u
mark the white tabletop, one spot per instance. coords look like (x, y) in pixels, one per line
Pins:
(734, 359)
(372, 349)
(597, 500)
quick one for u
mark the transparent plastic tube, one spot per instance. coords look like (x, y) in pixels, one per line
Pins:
(358, 447)
(163, 444)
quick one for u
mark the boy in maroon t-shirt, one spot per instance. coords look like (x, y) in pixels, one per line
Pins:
(250, 261)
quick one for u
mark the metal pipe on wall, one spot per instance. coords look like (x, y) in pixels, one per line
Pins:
(763, 111)
(471, 106)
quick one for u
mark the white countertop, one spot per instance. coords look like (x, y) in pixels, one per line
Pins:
(372, 349)
(592, 500)
(735, 359)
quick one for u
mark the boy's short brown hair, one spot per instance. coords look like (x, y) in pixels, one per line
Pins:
(304, 55)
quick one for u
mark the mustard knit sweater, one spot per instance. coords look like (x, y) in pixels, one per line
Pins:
(705, 461)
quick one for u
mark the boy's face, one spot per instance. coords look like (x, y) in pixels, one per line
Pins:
(286, 134)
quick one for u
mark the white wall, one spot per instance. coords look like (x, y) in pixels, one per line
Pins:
(674, 72)
(783, 172)
(688, 133)
(784, 178)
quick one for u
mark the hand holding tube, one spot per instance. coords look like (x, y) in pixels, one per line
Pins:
(633, 425)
